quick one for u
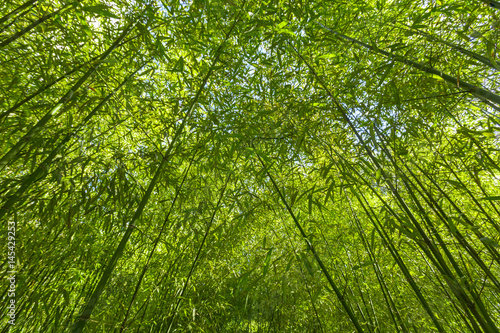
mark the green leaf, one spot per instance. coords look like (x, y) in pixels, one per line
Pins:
(328, 56)
(266, 262)
(65, 296)
(456, 184)
(309, 203)
(386, 73)
(109, 61)
(179, 65)
(308, 265)
(453, 227)
(490, 49)
(437, 77)
(281, 25)
(476, 34)
(100, 10)
(489, 242)
(263, 156)
(366, 263)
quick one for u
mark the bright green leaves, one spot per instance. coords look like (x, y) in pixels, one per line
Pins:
(259, 154)
(403, 197)
(280, 28)
(307, 264)
(328, 56)
(378, 175)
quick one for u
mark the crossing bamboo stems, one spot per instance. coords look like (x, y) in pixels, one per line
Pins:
(11, 155)
(197, 257)
(155, 244)
(43, 167)
(337, 291)
(33, 25)
(17, 10)
(394, 253)
(88, 308)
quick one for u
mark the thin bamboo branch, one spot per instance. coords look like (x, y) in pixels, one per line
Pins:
(155, 244)
(478, 57)
(197, 257)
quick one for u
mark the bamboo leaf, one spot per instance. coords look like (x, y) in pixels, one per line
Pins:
(102, 10)
(267, 261)
(489, 242)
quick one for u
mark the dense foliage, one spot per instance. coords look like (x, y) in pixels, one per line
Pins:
(250, 166)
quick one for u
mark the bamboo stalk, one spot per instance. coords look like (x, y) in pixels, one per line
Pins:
(289, 238)
(387, 242)
(17, 10)
(43, 167)
(474, 90)
(483, 317)
(376, 268)
(7, 26)
(491, 3)
(155, 244)
(41, 90)
(33, 25)
(492, 250)
(471, 195)
(399, 261)
(473, 55)
(434, 203)
(394, 191)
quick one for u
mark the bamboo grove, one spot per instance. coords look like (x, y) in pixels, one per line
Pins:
(250, 166)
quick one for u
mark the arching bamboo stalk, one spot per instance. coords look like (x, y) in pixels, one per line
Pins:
(474, 90)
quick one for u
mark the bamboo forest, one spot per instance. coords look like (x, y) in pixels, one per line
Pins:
(250, 166)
